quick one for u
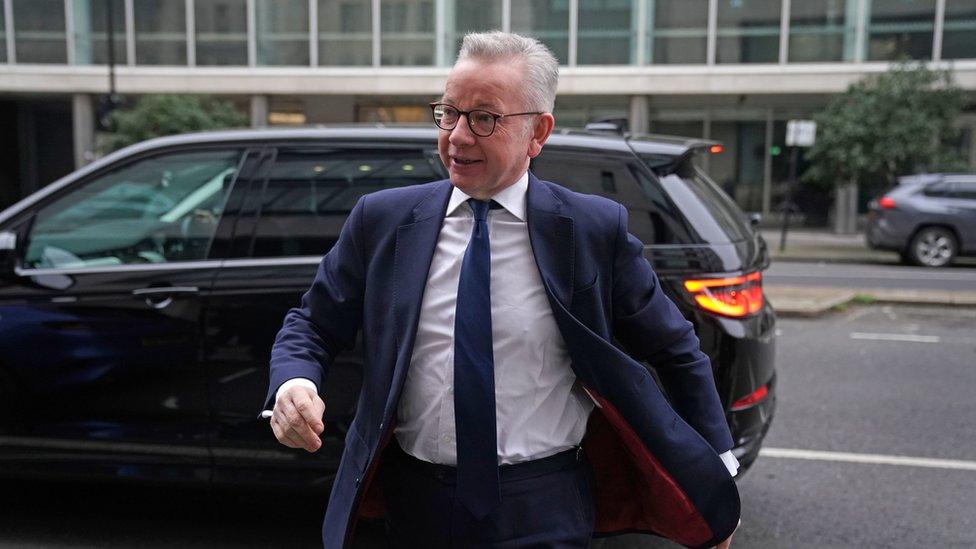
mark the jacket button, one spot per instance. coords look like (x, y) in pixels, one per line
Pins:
(382, 426)
(358, 480)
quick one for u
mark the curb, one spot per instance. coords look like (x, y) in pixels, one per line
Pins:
(813, 302)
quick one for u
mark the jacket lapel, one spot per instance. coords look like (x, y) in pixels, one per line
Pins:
(415, 244)
(552, 237)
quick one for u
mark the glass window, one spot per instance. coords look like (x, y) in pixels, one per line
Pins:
(309, 194)
(221, 32)
(345, 32)
(580, 110)
(160, 32)
(3, 35)
(653, 218)
(282, 32)
(545, 20)
(679, 31)
(606, 32)
(91, 31)
(407, 32)
(822, 30)
(157, 210)
(959, 34)
(470, 16)
(900, 28)
(738, 169)
(680, 128)
(748, 31)
(39, 31)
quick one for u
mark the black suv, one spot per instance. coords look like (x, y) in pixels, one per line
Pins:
(140, 295)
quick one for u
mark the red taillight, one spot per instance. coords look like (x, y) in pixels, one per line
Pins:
(887, 202)
(750, 399)
(736, 296)
(715, 149)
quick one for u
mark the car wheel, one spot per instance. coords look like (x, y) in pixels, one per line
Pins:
(932, 247)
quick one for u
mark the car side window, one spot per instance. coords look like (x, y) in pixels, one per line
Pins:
(940, 189)
(965, 190)
(156, 210)
(653, 217)
(309, 194)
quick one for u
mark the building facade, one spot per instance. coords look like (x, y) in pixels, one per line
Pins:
(729, 70)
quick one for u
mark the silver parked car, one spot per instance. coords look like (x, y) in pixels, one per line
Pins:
(929, 219)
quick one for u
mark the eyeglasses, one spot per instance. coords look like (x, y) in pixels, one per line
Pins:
(481, 122)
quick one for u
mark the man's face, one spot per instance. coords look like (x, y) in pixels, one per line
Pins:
(482, 166)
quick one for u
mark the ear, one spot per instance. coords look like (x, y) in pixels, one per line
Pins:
(540, 133)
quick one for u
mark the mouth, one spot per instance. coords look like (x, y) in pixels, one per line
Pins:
(460, 161)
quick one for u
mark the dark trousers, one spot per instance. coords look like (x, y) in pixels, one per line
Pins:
(546, 502)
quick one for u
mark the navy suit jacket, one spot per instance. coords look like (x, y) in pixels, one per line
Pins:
(657, 467)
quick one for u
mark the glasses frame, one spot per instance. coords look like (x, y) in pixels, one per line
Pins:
(467, 116)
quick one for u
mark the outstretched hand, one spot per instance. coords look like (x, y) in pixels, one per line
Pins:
(297, 418)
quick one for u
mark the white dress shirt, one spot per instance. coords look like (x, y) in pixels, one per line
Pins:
(538, 413)
(539, 409)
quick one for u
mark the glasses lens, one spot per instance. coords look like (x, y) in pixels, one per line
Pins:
(482, 123)
(445, 116)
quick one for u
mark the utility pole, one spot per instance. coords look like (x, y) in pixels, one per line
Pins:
(799, 133)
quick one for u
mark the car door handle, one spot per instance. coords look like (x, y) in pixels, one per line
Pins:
(153, 294)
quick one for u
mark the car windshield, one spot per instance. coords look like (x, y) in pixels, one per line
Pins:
(713, 214)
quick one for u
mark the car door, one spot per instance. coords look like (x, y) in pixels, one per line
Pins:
(291, 217)
(100, 329)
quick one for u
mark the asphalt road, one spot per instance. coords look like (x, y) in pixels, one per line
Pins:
(847, 275)
(873, 384)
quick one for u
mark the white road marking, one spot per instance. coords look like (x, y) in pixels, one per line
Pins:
(876, 459)
(896, 337)
(236, 375)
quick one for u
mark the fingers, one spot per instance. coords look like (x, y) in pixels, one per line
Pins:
(285, 435)
(297, 428)
(297, 419)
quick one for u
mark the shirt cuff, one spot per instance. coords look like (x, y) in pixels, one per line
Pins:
(730, 462)
(293, 382)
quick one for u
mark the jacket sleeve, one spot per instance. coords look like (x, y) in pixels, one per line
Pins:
(329, 315)
(651, 328)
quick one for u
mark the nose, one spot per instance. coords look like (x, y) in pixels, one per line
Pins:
(461, 135)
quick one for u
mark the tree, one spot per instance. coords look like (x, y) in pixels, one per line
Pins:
(158, 115)
(886, 125)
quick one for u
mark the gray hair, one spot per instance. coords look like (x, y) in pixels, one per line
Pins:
(541, 67)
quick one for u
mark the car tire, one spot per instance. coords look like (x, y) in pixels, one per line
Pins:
(932, 247)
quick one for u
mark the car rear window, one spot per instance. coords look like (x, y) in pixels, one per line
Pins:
(654, 218)
(715, 217)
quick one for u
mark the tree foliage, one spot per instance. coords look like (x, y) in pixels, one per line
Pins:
(886, 125)
(169, 114)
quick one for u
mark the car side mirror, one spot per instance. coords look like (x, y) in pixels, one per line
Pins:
(755, 219)
(8, 254)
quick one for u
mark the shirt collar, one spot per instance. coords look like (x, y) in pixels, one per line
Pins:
(512, 198)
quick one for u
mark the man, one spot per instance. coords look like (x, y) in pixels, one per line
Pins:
(489, 305)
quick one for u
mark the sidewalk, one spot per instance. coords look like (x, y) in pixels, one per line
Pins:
(809, 245)
(812, 301)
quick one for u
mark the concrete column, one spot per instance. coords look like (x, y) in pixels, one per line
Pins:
(767, 183)
(845, 209)
(259, 111)
(83, 127)
(639, 114)
(972, 146)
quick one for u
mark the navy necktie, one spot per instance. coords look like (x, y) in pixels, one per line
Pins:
(474, 375)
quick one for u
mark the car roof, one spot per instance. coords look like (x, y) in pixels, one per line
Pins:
(561, 137)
